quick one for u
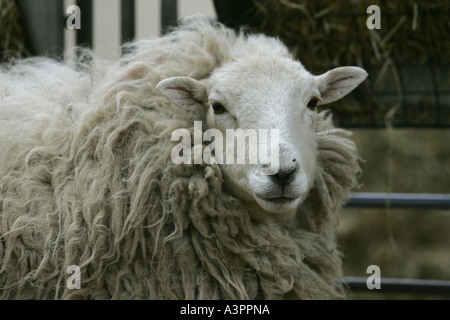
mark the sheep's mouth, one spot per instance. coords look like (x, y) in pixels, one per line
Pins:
(280, 204)
(280, 200)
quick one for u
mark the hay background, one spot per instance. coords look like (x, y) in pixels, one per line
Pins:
(407, 59)
(12, 37)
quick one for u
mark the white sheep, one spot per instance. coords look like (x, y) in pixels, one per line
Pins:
(87, 178)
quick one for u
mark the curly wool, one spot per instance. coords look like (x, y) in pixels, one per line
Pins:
(86, 179)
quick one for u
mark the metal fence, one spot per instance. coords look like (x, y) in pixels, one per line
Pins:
(48, 39)
(44, 23)
(400, 201)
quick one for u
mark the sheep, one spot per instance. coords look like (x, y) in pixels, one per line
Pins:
(87, 180)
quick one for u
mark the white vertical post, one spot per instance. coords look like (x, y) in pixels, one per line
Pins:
(106, 35)
(148, 16)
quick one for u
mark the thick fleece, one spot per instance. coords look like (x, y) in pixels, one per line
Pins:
(86, 179)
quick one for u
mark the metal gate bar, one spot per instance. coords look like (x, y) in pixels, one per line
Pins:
(407, 201)
(398, 285)
(400, 200)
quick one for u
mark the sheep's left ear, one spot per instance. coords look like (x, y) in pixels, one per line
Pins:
(338, 82)
(184, 91)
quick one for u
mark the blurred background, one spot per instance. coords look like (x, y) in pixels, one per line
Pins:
(400, 116)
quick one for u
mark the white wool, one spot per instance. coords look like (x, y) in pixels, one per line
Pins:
(86, 177)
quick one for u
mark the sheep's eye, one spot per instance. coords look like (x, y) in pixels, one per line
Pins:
(218, 108)
(312, 103)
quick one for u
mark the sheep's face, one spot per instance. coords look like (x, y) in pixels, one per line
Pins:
(275, 94)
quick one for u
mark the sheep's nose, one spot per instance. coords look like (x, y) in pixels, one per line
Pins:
(284, 177)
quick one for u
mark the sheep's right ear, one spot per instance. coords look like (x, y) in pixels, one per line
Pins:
(184, 91)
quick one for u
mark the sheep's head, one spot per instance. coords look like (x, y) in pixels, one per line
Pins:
(266, 93)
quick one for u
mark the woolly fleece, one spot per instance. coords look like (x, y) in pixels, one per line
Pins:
(86, 179)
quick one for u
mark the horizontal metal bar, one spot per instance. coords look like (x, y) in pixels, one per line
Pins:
(400, 200)
(399, 285)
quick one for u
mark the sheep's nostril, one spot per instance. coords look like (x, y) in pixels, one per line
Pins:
(284, 177)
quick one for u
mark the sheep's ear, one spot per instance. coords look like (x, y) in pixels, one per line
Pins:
(336, 83)
(184, 91)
